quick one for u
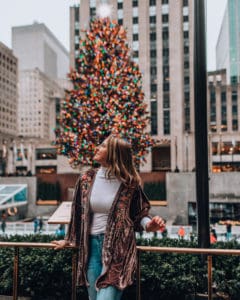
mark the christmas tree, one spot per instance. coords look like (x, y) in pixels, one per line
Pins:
(107, 97)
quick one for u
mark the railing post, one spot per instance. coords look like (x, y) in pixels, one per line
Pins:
(15, 273)
(209, 277)
(138, 283)
(74, 274)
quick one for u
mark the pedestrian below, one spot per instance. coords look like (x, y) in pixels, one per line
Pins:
(3, 221)
(163, 230)
(40, 224)
(228, 230)
(60, 232)
(214, 233)
(181, 232)
(35, 224)
(213, 239)
(108, 207)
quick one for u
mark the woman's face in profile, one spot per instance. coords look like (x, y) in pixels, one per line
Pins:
(101, 154)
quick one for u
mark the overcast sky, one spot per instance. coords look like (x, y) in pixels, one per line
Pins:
(55, 15)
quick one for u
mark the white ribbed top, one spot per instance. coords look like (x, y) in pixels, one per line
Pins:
(103, 193)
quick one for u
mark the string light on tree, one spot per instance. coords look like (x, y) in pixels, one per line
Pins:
(107, 97)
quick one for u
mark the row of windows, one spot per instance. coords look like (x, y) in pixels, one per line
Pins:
(135, 3)
(7, 125)
(213, 116)
(7, 111)
(9, 60)
(186, 67)
(8, 82)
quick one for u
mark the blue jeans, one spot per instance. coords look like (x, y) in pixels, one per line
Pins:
(94, 270)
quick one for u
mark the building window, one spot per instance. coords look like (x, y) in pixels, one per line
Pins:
(164, 18)
(135, 37)
(120, 5)
(135, 54)
(213, 110)
(135, 20)
(76, 13)
(43, 154)
(161, 158)
(165, 34)
(135, 28)
(166, 122)
(166, 86)
(153, 53)
(153, 70)
(166, 102)
(186, 65)
(186, 80)
(233, 79)
(153, 36)
(185, 34)
(153, 88)
(120, 21)
(135, 3)
(186, 50)
(152, 2)
(164, 1)
(153, 117)
(185, 2)
(152, 20)
(92, 11)
(165, 52)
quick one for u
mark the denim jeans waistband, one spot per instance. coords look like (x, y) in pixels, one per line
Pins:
(96, 236)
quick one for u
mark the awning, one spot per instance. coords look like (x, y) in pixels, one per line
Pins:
(13, 195)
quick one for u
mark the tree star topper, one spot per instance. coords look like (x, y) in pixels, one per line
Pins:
(104, 10)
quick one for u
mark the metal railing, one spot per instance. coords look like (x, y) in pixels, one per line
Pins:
(17, 246)
(208, 252)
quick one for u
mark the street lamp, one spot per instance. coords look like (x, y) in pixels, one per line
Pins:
(201, 124)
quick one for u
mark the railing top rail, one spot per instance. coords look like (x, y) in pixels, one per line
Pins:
(139, 248)
(30, 245)
(189, 250)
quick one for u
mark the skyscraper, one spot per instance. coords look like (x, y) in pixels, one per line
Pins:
(160, 33)
(8, 92)
(42, 62)
(36, 47)
(227, 49)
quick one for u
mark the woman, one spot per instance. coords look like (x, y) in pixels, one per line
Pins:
(108, 207)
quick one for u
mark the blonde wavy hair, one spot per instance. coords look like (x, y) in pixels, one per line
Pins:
(120, 161)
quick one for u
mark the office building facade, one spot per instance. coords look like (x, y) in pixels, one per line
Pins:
(227, 49)
(36, 47)
(8, 92)
(224, 120)
(39, 98)
(160, 33)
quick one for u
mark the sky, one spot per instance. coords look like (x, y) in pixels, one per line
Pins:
(55, 15)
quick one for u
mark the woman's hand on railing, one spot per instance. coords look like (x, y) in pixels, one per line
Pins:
(60, 244)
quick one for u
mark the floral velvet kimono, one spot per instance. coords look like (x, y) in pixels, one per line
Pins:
(119, 247)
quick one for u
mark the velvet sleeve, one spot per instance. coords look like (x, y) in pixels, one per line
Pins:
(139, 208)
(73, 231)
